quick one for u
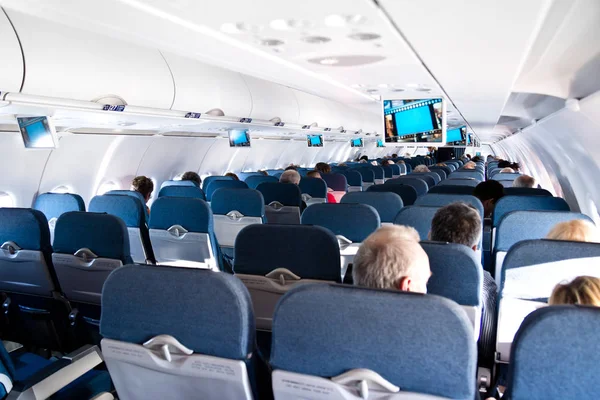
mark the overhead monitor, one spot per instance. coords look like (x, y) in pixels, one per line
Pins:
(239, 138)
(469, 139)
(356, 142)
(457, 136)
(380, 143)
(314, 140)
(415, 121)
(37, 132)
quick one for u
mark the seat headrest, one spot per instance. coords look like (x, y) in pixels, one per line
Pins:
(140, 302)
(354, 221)
(131, 193)
(249, 202)
(419, 217)
(287, 194)
(25, 227)
(353, 178)
(53, 205)
(539, 203)
(367, 174)
(522, 191)
(335, 181)
(128, 208)
(194, 215)
(419, 184)
(387, 204)
(178, 183)
(311, 252)
(209, 179)
(182, 191)
(254, 181)
(314, 187)
(406, 192)
(443, 199)
(105, 235)
(422, 343)
(220, 183)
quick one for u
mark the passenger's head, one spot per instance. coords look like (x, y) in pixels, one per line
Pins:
(507, 170)
(470, 165)
(468, 156)
(291, 167)
(143, 185)
(577, 230)
(366, 158)
(441, 164)
(421, 168)
(394, 155)
(290, 176)
(476, 159)
(342, 164)
(524, 181)
(323, 168)
(234, 176)
(392, 258)
(362, 161)
(583, 290)
(457, 223)
(192, 176)
(313, 174)
(262, 172)
(489, 192)
(400, 162)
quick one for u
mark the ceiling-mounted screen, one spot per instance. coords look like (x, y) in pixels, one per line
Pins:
(469, 139)
(380, 143)
(415, 121)
(457, 136)
(239, 138)
(356, 142)
(37, 132)
(314, 140)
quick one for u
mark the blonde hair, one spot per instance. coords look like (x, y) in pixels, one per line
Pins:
(577, 230)
(421, 168)
(583, 290)
(507, 169)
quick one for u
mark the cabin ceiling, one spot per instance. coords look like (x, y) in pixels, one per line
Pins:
(357, 51)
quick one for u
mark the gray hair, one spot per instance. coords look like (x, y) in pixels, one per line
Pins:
(290, 176)
(421, 168)
(525, 181)
(388, 255)
(456, 223)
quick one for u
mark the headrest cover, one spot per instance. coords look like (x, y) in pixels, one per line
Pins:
(387, 204)
(26, 227)
(220, 183)
(539, 203)
(194, 215)
(354, 221)
(182, 191)
(53, 205)
(140, 302)
(128, 208)
(443, 199)
(209, 179)
(249, 202)
(254, 181)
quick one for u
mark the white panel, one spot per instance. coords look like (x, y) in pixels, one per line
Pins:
(268, 154)
(315, 109)
(271, 100)
(21, 168)
(222, 159)
(201, 87)
(73, 64)
(11, 67)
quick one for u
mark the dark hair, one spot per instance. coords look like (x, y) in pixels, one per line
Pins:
(323, 168)
(476, 159)
(394, 155)
(291, 167)
(234, 176)
(263, 172)
(143, 185)
(365, 157)
(311, 174)
(489, 190)
(192, 176)
(508, 164)
(456, 223)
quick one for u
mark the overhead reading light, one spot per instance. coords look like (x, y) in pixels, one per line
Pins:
(240, 27)
(284, 25)
(215, 112)
(316, 39)
(271, 42)
(339, 21)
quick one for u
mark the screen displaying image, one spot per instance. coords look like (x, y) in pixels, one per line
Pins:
(457, 136)
(314, 140)
(414, 121)
(469, 139)
(380, 143)
(356, 143)
(36, 132)
(239, 138)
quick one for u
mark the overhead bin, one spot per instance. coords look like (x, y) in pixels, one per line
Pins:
(64, 62)
(11, 67)
(201, 87)
(314, 109)
(270, 100)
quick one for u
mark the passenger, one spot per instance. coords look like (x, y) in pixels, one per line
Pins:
(470, 165)
(401, 162)
(421, 168)
(234, 176)
(144, 186)
(366, 158)
(323, 168)
(525, 181)
(394, 155)
(468, 156)
(193, 177)
(507, 170)
(577, 230)
(508, 164)
(489, 192)
(476, 159)
(291, 167)
(263, 172)
(583, 290)
(342, 164)
(290, 176)
(362, 161)
(391, 258)
(441, 164)
(317, 174)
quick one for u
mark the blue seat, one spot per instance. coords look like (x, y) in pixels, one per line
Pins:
(506, 176)
(452, 181)
(367, 175)
(446, 170)
(564, 336)
(272, 259)
(314, 187)
(132, 212)
(419, 343)
(442, 199)
(181, 231)
(177, 183)
(354, 180)
(378, 172)
(406, 192)
(387, 204)
(353, 221)
(53, 205)
(493, 172)
(209, 179)
(245, 175)
(234, 209)
(462, 174)
(134, 194)
(283, 201)
(255, 180)
(443, 188)
(223, 183)
(87, 247)
(431, 178)
(419, 184)
(419, 217)
(192, 192)
(388, 172)
(440, 173)
(396, 171)
(337, 182)
(527, 203)
(521, 191)
(144, 335)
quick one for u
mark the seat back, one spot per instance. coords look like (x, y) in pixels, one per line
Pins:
(234, 209)
(209, 179)
(53, 205)
(456, 274)
(352, 221)
(136, 195)
(421, 187)
(131, 211)
(531, 270)
(245, 175)
(446, 170)
(396, 172)
(460, 182)
(336, 182)
(255, 180)
(354, 180)
(315, 188)
(87, 248)
(506, 176)
(444, 188)
(520, 191)
(462, 174)
(431, 178)
(406, 192)
(410, 342)
(271, 259)
(168, 345)
(368, 176)
(419, 217)
(191, 192)
(564, 336)
(181, 231)
(223, 183)
(441, 200)
(387, 204)
(283, 202)
(177, 183)
(527, 203)
(388, 172)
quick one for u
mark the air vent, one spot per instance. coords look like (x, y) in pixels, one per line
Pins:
(215, 112)
(316, 39)
(110, 99)
(364, 36)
